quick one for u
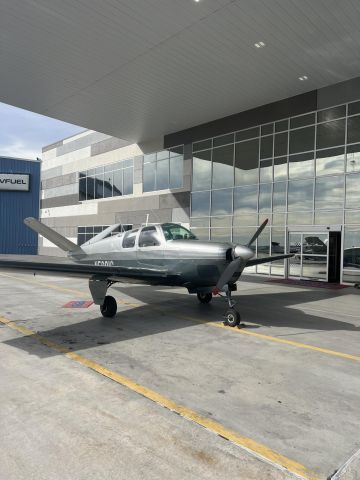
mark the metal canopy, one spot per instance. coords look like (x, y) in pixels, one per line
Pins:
(139, 69)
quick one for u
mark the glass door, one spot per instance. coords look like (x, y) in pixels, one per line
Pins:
(310, 260)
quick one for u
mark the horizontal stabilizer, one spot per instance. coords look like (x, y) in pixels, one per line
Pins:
(51, 235)
(257, 261)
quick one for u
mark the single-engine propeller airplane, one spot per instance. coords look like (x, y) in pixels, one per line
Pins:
(156, 254)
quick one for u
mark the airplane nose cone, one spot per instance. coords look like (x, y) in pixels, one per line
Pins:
(244, 252)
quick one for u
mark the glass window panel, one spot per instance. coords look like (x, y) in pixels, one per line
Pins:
(128, 163)
(203, 145)
(200, 204)
(301, 165)
(220, 234)
(278, 219)
(331, 113)
(354, 108)
(82, 188)
(162, 174)
(266, 147)
(247, 134)
(352, 247)
(176, 172)
(200, 222)
(351, 276)
(91, 171)
(300, 195)
(330, 161)
(223, 140)
(263, 250)
(279, 197)
(98, 229)
(223, 167)
(163, 155)
(302, 120)
(302, 140)
(277, 241)
(175, 151)
(353, 191)
(99, 186)
(201, 179)
(353, 129)
(246, 162)
(202, 233)
(353, 158)
(81, 229)
(99, 170)
(221, 202)
(242, 235)
(329, 192)
(108, 183)
(109, 168)
(352, 216)
(128, 181)
(90, 188)
(334, 217)
(300, 218)
(149, 177)
(281, 125)
(221, 221)
(280, 168)
(118, 183)
(281, 143)
(315, 267)
(265, 198)
(245, 220)
(267, 129)
(330, 134)
(150, 158)
(266, 171)
(245, 199)
(81, 238)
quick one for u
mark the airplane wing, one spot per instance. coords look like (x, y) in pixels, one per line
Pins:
(257, 261)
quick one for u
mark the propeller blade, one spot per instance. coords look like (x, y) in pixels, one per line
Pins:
(257, 233)
(227, 274)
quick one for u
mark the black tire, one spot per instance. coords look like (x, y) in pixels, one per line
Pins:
(109, 307)
(204, 297)
(232, 318)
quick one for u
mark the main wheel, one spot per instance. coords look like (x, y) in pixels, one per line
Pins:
(109, 307)
(204, 297)
(232, 318)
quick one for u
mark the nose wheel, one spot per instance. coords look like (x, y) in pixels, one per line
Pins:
(232, 318)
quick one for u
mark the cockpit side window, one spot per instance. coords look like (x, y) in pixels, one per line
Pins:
(129, 239)
(149, 237)
(172, 231)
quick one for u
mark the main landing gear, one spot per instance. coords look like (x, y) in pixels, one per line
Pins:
(98, 287)
(109, 307)
(204, 297)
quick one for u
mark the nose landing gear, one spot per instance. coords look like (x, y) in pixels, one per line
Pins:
(232, 316)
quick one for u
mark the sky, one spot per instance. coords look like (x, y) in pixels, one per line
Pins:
(24, 133)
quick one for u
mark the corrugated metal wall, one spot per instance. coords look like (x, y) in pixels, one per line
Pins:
(15, 237)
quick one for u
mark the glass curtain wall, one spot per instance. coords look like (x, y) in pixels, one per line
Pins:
(163, 170)
(299, 171)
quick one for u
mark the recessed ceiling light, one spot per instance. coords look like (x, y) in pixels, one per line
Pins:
(196, 1)
(259, 44)
(303, 77)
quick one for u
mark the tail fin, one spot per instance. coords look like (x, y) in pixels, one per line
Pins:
(51, 235)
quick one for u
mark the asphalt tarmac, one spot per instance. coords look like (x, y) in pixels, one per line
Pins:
(164, 390)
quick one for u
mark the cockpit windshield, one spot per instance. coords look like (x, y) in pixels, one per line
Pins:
(172, 231)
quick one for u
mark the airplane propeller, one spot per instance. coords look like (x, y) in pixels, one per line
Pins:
(242, 254)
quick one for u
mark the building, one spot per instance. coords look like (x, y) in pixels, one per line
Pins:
(296, 162)
(19, 198)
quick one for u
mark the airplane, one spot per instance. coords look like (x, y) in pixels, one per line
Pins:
(156, 254)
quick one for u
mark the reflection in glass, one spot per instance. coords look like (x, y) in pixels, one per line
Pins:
(265, 197)
(302, 120)
(200, 222)
(314, 244)
(352, 216)
(241, 236)
(176, 172)
(281, 144)
(330, 134)
(203, 145)
(278, 219)
(329, 192)
(301, 165)
(246, 162)
(221, 221)
(221, 201)
(352, 247)
(223, 169)
(266, 147)
(352, 191)
(118, 183)
(200, 204)
(202, 233)
(263, 250)
(277, 248)
(246, 220)
(353, 158)
(353, 129)
(201, 179)
(300, 195)
(280, 168)
(108, 183)
(300, 218)
(331, 113)
(90, 188)
(162, 174)
(223, 140)
(246, 134)
(149, 177)
(220, 234)
(245, 199)
(314, 267)
(302, 140)
(128, 181)
(334, 217)
(294, 247)
(82, 187)
(279, 197)
(266, 171)
(330, 161)
(164, 154)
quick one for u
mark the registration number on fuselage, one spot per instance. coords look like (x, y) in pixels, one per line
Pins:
(104, 263)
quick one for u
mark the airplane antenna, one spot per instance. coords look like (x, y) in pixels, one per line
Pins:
(147, 219)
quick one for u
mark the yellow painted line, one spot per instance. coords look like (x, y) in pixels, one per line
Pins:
(262, 336)
(247, 443)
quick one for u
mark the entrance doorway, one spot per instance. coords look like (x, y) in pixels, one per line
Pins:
(316, 255)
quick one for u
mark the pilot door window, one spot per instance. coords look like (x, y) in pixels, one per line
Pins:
(129, 239)
(149, 237)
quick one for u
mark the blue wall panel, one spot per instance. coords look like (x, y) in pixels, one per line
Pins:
(15, 237)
